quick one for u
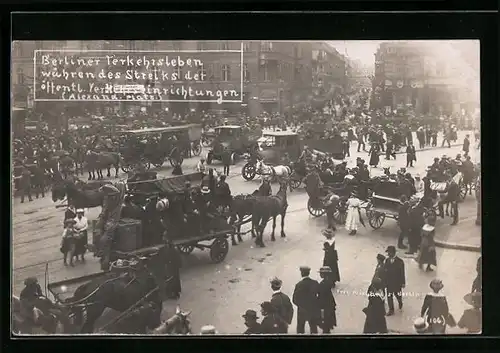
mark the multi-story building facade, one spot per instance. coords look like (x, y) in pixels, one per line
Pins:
(418, 75)
(276, 75)
(329, 69)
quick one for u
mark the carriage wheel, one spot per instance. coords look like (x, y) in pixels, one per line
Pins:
(248, 172)
(295, 183)
(430, 213)
(463, 190)
(185, 249)
(207, 142)
(340, 215)
(126, 167)
(197, 149)
(219, 250)
(313, 211)
(176, 162)
(375, 219)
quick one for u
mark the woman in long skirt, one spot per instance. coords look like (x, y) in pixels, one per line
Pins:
(331, 260)
(427, 253)
(374, 155)
(353, 214)
(435, 309)
(375, 311)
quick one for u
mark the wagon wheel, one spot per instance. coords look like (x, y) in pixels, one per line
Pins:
(295, 182)
(375, 219)
(197, 148)
(430, 213)
(207, 141)
(248, 172)
(463, 190)
(340, 215)
(185, 249)
(315, 212)
(219, 250)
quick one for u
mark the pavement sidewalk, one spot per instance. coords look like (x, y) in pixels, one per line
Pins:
(466, 235)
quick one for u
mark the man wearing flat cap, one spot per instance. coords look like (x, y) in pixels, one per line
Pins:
(282, 303)
(305, 297)
(394, 269)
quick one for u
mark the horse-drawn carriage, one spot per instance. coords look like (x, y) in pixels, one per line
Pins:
(185, 234)
(235, 140)
(272, 150)
(154, 145)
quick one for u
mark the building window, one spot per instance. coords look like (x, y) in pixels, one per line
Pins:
(211, 72)
(20, 76)
(224, 46)
(265, 70)
(18, 49)
(226, 73)
(266, 46)
(246, 46)
(201, 46)
(246, 72)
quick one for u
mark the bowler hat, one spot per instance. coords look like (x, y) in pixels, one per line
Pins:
(205, 190)
(250, 314)
(305, 268)
(380, 257)
(30, 280)
(391, 249)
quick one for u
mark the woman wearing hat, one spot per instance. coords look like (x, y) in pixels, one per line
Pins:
(326, 300)
(353, 213)
(330, 258)
(81, 226)
(70, 213)
(435, 309)
(251, 322)
(427, 252)
(472, 318)
(375, 321)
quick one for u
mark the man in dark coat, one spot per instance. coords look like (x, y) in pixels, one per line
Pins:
(173, 270)
(361, 141)
(305, 297)
(282, 303)
(326, 300)
(394, 278)
(466, 145)
(251, 318)
(226, 161)
(404, 221)
(411, 155)
(25, 184)
(223, 192)
(331, 260)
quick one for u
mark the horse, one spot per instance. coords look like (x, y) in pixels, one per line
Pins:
(141, 320)
(266, 207)
(78, 155)
(241, 206)
(121, 291)
(76, 196)
(178, 324)
(67, 165)
(278, 171)
(96, 161)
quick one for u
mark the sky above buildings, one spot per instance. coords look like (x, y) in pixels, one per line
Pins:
(362, 50)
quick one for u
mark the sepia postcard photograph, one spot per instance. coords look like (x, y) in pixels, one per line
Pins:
(246, 187)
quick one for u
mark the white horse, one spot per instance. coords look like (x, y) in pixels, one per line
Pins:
(277, 171)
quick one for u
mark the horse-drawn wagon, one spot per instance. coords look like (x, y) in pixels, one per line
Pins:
(185, 232)
(154, 145)
(235, 140)
(272, 150)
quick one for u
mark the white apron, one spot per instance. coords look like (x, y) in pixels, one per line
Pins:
(352, 219)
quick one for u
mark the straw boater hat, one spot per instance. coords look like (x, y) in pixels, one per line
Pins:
(325, 269)
(208, 330)
(328, 233)
(80, 210)
(205, 190)
(420, 325)
(428, 228)
(474, 299)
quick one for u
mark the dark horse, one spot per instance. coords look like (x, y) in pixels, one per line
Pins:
(242, 206)
(77, 196)
(266, 207)
(96, 161)
(121, 291)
